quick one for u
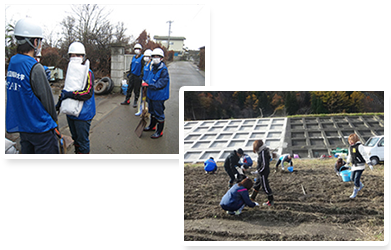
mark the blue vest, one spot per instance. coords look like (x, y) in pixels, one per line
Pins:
(136, 65)
(146, 71)
(159, 84)
(24, 112)
(88, 111)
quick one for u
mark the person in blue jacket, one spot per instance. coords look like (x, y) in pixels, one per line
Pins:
(246, 161)
(237, 197)
(30, 107)
(135, 76)
(145, 73)
(157, 93)
(210, 166)
(80, 126)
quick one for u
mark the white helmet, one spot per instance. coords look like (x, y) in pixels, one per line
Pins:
(148, 52)
(77, 48)
(27, 27)
(158, 52)
(138, 46)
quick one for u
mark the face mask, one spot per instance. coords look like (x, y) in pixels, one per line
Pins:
(76, 59)
(137, 51)
(156, 60)
(146, 58)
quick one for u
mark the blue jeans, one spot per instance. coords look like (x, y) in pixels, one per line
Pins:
(156, 109)
(356, 176)
(80, 131)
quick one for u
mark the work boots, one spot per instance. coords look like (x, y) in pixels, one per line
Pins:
(159, 130)
(126, 102)
(151, 126)
(355, 191)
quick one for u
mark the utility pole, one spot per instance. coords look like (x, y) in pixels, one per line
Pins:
(169, 33)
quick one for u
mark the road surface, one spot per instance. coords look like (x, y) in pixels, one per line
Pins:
(112, 129)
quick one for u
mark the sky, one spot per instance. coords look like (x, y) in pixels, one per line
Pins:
(189, 20)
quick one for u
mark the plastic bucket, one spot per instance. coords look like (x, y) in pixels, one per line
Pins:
(346, 175)
(124, 89)
(290, 169)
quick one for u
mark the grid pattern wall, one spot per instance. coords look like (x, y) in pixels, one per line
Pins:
(204, 139)
(316, 136)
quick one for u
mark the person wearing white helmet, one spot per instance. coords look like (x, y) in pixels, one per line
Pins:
(79, 85)
(145, 72)
(135, 76)
(30, 107)
(158, 92)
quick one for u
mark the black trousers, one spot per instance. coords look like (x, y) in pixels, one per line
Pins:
(134, 85)
(231, 171)
(43, 143)
(263, 182)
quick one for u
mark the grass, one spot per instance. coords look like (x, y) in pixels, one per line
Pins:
(329, 115)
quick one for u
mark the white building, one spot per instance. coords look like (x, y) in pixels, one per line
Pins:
(176, 42)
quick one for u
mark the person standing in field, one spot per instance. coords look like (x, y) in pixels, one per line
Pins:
(263, 171)
(358, 157)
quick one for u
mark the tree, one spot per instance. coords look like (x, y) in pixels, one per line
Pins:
(356, 102)
(278, 104)
(291, 103)
(335, 101)
(89, 25)
(317, 104)
(10, 45)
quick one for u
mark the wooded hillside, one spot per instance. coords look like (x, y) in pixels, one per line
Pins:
(204, 105)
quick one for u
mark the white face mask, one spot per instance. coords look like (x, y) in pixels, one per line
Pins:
(156, 60)
(76, 59)
(137, 51)
(146, 58)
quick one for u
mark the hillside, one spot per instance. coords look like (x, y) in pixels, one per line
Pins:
(205, 105)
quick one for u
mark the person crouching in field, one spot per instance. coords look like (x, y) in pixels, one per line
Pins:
(231, 165)
(263, 172)
(358, 157)
(284, 158)
(210, 166)
(237, 198)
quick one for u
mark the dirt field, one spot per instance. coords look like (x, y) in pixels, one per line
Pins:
(326, 213)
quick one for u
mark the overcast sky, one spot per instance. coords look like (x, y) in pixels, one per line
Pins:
(190, 21)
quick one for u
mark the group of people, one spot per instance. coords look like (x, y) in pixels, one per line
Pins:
(238, 195)
(149, 73)
(31, 110)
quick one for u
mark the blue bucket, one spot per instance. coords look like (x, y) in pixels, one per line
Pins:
(290, 169)
(346, 175)
(124, 89)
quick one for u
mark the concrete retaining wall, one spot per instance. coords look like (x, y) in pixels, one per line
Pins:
(315, 136)
(307, 137)
(204, 139)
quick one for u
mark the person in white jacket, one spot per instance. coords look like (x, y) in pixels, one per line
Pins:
(358, 157)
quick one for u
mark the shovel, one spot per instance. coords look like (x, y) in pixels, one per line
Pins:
(144, 115)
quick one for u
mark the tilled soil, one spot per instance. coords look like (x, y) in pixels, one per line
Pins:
(325, 213)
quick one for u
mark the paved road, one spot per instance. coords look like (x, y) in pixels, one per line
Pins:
(112, 129)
